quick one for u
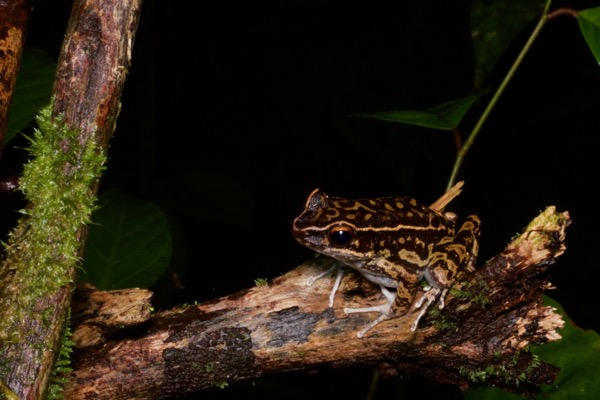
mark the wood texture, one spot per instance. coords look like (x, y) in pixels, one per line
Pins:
(14, 20)
(286, 325)
(90, 75)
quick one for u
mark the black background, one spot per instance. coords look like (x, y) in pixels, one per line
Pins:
(232, 113)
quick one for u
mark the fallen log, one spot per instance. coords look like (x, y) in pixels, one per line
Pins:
(481, 337)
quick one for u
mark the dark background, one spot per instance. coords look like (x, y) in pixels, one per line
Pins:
(232, 113)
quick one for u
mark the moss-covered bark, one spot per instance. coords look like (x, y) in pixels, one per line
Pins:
(59, 182)
(42, 251)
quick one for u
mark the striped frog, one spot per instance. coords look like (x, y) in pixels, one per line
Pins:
(394, 242)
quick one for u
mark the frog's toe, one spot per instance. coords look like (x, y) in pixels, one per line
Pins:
(310, 281)
(363, 331)
(423, 303)
(442, 303)
(382, 309)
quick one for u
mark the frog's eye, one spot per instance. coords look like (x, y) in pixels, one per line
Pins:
(341, 235)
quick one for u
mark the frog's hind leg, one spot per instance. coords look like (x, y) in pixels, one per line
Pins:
(452, 258)
(397, 304)
(383, 309)
(405, 296)
(427, 299)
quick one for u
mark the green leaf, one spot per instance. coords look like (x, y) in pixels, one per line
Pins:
(445, 116)
(32, 89)
(494, 25)
(578, 356)
(129, 243)
(589, 23)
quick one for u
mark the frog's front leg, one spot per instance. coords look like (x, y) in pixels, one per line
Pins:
(337, 267)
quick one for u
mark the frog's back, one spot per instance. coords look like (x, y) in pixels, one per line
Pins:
(374, 213)
(382, 211)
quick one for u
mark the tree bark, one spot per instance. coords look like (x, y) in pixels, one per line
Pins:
(93, 64)
(14, 19)
(480, 337)
(90, 77)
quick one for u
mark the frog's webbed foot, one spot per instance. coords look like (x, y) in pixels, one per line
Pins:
(338, 279)
(426, 301)
(383, 309)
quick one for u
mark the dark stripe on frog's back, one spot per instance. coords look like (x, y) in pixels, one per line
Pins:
(383, 214)
(372, 205)
(379, 212)
(399, 242)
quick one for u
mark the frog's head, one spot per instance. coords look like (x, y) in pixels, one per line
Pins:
(361, 231)
(330, 226)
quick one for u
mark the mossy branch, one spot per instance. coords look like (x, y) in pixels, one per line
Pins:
(59, 183)
(43, 249)
(44, 246)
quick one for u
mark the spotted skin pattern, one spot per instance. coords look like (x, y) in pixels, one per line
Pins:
(394, 242)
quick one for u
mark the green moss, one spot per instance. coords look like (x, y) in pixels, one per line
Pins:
(260, 281)
(62, 366)
(43, 248)
(41, 253)
(6, 393)
(221, 384)
(440, 321)
(210, 367)
(466, 292)
(504, 370)
(547, 221)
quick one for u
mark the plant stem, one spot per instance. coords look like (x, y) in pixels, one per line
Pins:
(465, 148)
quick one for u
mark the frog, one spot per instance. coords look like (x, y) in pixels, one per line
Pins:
(414, 253)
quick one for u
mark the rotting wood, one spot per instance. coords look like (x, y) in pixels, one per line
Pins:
(487, 324)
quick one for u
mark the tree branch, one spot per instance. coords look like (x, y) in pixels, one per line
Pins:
(479, 338)
(41, 255)
(14, 19)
